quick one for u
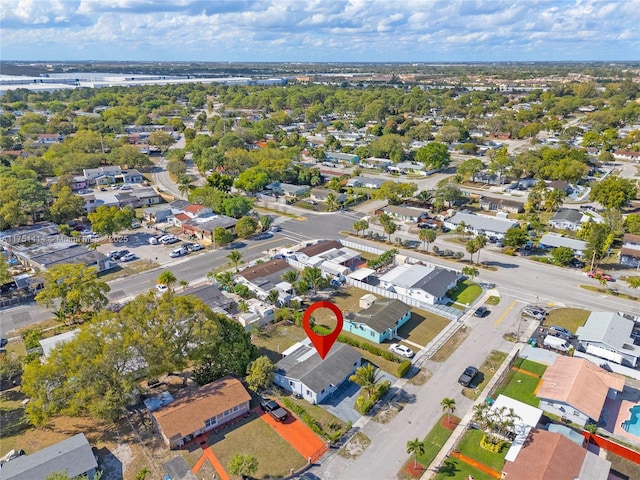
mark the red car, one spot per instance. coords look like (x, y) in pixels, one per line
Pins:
(598, 274)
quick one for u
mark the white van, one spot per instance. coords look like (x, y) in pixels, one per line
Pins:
(556, 343)
(178, 252)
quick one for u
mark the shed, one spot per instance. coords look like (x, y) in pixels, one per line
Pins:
(367, 300)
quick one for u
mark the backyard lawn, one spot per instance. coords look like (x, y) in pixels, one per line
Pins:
(255, 437)
(466, 292)
(520, 385)
(272, 341)
(530, 366)
(470, 446)
(569, 318)
(454, 468)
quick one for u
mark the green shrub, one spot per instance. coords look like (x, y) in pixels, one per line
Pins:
(403, 368)
(313, 424)
(509, 251)
(363, 345)
(493, 444)
(363, 404)
(32, 338)
(382, 260)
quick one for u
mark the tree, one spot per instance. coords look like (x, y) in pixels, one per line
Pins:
(395, 192)
(242, 465)
(360, 226)
(162, 140)
(633, 282)
(481, 242)
(366, 376)
(273, 297)
(448, 193)
(388, 225)
(185, 184)
(435, 155)
(500, 163)
(613, 192)
(562, 255)
(553, 199)
(260, 374)
(417, 448)
(167, 278)
(471, 272)
(515, 237)
(599, 240)
(313, 277)
(470, 168)
(235, 257)
(221, 237)
(5, 274)
(66, 207)
(427, 236)
(110, 220)
(472, 247)
(246, 227)
(448, 405)
(332, 202)
(292, 277)
(225, 279)
(265, 222)
(73, 289)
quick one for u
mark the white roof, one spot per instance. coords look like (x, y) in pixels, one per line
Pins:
(50, 343)
(552, 240)
(604, 353)
(362, 273)
(529, 417)
(483, 222)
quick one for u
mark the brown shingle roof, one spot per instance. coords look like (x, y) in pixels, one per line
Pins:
(264, 269)
(188, 413)
(546, 456)
(579, 383)
(628, 237)
(320, 247)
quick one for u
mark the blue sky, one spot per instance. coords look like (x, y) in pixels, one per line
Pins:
(320, 30)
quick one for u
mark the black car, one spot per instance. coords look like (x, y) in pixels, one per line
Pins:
(481, 312)
(575, 263)
(276, 411)
(467, 377)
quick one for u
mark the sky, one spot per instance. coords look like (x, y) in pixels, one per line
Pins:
(320, 30)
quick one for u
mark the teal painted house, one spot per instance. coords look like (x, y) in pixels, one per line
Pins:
(380, 321)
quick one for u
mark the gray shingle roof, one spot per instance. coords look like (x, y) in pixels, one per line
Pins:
(482, 222)
(610, 329)
(572, 216)
(551, 240)
(383, 314)
(72, 455)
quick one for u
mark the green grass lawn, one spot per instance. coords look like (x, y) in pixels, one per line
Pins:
(493, 300)
(466, 292)
(422, 327)
(520, 386)
(433, 442)
(569, 318)
(326, 420)
(470, 446)
(255, 437)
(454, 468)
(530, 366)
(273, 341)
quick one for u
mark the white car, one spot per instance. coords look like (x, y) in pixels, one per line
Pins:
(161, 288)
(401, 350)
(128, 257)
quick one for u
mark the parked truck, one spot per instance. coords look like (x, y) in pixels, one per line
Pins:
(556, 343)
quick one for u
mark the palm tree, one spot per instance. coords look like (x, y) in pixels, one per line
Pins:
(265, 222)
(291, 277)
(273, 297)
(167, 278)
(184, 284)
(426, 236)
(481, 242)
(313, 277)
(185, 185)
(389, 228)
(553, 199)
(449, 406)
(471, 247)
(471, 272)
(425, 196)
(461, 228)
(367, 377)
(235, 257)
(360, 226)
(332, 202)
(243, 307)
(417, 448)
(225, 279)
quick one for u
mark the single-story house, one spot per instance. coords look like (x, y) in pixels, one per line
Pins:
(291, 190)
(204, 227)
(376, 163)
(366, 182)
(72, 456)
(408, 167)
(552, 456)
(576, 389)
(491, 204)
(426, 284)
(200, 410)
(405, 214)
(264, 277)
(568, 219)
(630, 251)
(158, 214)
(341, 157)
(197, 211)
(49, 138)
(211, 296)
(302, 371)
(380, 321)
(178, 206)
(321, 194)
(560, 185)
(626, 155)
(48, 344)
(481, 224)
(146, 196)
(259, 313)
(608, 335)
(553, 240)
(338, 257)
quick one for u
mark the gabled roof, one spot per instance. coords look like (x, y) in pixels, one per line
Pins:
(405, 211)
(194, 208)
(483, 222)
(179, 204)
(433, 280)
(188, 412)
(72, 455)
(304, 364)
(320, 247)
(568, 215)
(264, 269)
(579, 383)
(611, 329)
(553, 240)
(209, 294)
(383, 314)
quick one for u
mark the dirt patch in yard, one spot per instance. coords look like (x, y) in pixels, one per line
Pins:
(355, 446)
(421, 377)
(451, 345)
(449, 423)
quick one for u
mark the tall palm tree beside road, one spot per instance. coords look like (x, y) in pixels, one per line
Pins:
(167, 278)
(481, 242)
(448, 406)
(426, 236)
(471, 247)
(415, 447)
(224, 279)
(235, 257)
(360, 226)
(185, 185)
(471, 272)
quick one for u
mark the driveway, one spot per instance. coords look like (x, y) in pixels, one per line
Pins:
(341, 402)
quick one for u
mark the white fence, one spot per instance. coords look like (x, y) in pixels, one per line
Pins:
(363, 248)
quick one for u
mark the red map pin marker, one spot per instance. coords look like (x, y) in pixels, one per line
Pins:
(323, 343)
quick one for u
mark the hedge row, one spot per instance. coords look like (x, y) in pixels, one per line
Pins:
(403, 368)
(363, 345)
(312, 423)
(365, 404)
(382, 260)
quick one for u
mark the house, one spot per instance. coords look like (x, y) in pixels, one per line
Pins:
(491, 204)
(626, 155)
(335, 262)
(178, 206)
(146, 197)
(608, 335)
(158, 214)
(102, 175)
(72, 456)
(576, 389)
(259, 313)
(130, 176)
(179, 219)
(288, 189)
(48, 344)
(426, 284)
(561, 186)
(408, 167)
(341, 157)
(405, 214)
(321, 194)
(567, 219)
(552, 456)
(366, 182)
(264, 277)
(49, 138)
(380, 321)
(196, 211)
(302, 371)
(211, 296)
(204, 227)
(553, 240)
(481, 224)
(376, 163)
(630, 251)
(200, 410)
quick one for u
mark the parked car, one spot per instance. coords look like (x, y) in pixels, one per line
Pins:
(481, 312)
(467, 377)
(592, 274)
(11, 454)
(575, 263)
(561, 332)
(275, 228)
(169, 239)
(194, 247)
(178, 252)
(535, 312)
(136, 224)
(401, 350)
(161, 288)
(275, 410)
(118, 254)
(128, 257)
